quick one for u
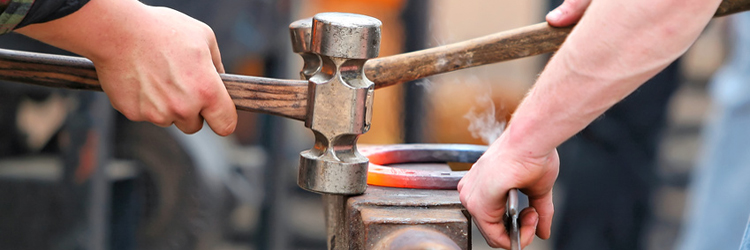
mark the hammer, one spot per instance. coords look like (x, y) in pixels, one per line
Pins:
(288, 98)
(293, 98)
(334, 48)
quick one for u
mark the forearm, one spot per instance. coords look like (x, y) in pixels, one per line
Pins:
(154, 63)
(615, 48)
(97, 31)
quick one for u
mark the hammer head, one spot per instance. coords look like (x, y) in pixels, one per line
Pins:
(301, 34)
(339, 103)
(345, 35)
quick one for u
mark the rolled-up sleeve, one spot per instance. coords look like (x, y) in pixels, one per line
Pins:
(13, 12)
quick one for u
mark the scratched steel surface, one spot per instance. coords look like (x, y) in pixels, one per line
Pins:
(377, 216)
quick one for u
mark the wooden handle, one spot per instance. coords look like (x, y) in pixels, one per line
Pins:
(517, 43)
(728, 7)
(287, 98)
(508, 45)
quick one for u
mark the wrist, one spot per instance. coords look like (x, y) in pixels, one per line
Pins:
(521, 138)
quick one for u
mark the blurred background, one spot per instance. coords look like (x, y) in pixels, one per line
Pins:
(74, 174)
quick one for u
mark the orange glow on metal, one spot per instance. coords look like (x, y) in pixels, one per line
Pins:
(389, 177)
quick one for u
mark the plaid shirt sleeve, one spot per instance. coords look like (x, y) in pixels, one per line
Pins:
(13, 12)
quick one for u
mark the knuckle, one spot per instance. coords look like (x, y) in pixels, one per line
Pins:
(197, 51)
(462, 196)
(133, 117)
(211, 36)
(207, 29)
(129, 113)
(206, 93)
(158, 119)
(182, 112)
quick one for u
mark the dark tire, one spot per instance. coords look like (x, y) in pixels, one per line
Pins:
(177, 207)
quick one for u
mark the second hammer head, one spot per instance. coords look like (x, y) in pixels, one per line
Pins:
(339, 102)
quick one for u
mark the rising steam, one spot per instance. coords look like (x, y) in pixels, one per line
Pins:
(482, 121)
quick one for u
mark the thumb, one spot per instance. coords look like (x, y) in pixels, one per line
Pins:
(545, 209)
(216, 56)
(567, 13)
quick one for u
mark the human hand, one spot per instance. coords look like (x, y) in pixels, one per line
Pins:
(568, 13)
(169, 74)
(154, 63)
(484, 189)
(615, 48)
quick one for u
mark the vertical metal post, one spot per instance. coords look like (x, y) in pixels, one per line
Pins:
(85, 157)
(416, 19)
(101, 131)
(273, 233)
(336, 226)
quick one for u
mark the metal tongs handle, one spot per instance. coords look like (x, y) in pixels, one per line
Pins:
(511, 223)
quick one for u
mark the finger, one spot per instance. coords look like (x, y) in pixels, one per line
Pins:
(189, 126)
(546, 210)
(161, 124)
(468, 178)
(216, 55)
(528, 220)
(494, 233)
(186, 116)
(219, 111)
(126, 111)
(157, 117)
(568, 13)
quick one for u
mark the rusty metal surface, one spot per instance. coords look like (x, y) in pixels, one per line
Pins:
(416, 237)
(407, 218)
(385, 196)
(375, 216)
(334, 207)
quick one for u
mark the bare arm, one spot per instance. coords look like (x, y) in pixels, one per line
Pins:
(615, 48)
(155, 64)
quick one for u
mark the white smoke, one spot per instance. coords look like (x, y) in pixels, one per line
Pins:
(427, 85)
(482, 121)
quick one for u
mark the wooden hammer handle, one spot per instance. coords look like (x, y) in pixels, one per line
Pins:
(287, 98)
(512, 44)
(508, 45)
(728, 7)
